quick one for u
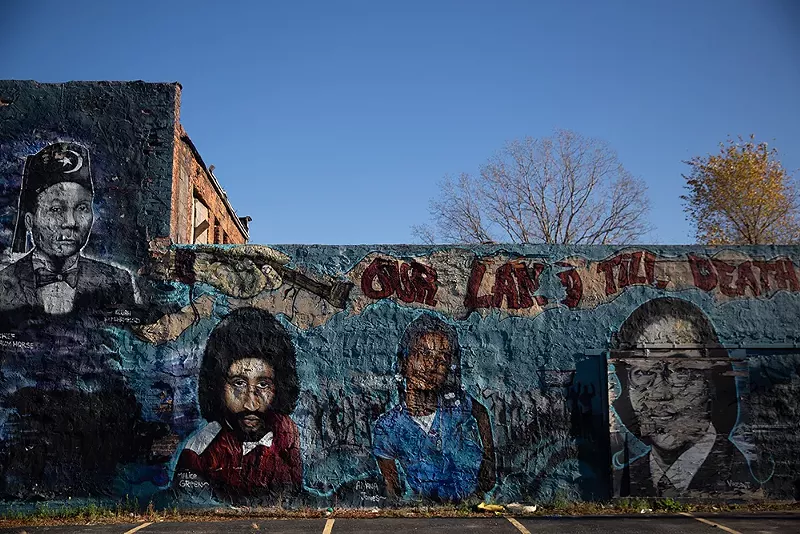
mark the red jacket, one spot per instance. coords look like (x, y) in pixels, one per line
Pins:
(215, 456)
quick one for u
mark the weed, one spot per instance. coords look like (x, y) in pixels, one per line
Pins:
(633, 505)
(670, 505)
(560, 500)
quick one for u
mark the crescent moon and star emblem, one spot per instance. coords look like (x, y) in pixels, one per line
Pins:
(70, 160)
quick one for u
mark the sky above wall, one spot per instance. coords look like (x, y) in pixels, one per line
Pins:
(333, 122)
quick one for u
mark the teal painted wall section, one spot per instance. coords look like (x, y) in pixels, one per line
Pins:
(547, 376)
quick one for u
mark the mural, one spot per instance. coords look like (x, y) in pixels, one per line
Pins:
(77, 191)
(440, 436)
(68, 415)
(55, 214)
(287, 398)
(679, 405)
(247, 389)
(359, 376)
(433, 383)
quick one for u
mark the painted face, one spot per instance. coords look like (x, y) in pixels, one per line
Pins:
(427, 363)
(671, 394)
(248, 393)
(62, 221)
(671, 400)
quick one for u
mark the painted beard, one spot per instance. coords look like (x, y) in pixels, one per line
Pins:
(248, 425)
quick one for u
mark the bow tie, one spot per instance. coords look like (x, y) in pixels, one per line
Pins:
(45, 276)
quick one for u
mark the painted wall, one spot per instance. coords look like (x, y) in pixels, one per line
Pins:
(371, 376)
(128, 130)
(131, 368)
(85, 176)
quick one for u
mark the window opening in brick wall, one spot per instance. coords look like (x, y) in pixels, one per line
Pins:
(217, 233)
(200, 222)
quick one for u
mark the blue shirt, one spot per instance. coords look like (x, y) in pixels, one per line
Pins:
(442, 463)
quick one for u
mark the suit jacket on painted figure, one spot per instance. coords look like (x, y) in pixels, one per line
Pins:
(99, 286)
(723, 473)
(237, 470)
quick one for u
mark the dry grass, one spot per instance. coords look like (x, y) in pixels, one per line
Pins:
(96, 515)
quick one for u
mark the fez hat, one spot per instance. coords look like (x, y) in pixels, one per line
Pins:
(55, 163)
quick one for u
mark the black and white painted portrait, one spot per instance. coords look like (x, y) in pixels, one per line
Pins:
(55, 216)
(675, 394)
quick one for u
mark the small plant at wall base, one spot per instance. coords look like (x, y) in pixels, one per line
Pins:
(670, 505)
(742, 196)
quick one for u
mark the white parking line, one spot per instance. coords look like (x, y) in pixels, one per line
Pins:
(136, 529)
(713, 524)
(328, 526)
(518, 525)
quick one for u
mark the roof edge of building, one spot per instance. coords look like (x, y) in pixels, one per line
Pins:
(215, 184)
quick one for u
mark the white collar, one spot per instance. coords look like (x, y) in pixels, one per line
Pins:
(248, 446)
(425, 421)
(681, 473)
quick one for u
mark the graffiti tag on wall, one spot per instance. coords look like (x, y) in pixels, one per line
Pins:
(514, 285)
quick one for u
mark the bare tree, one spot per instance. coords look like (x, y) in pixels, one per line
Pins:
(561, 189)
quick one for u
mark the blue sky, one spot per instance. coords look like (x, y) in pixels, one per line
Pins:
(332, 122)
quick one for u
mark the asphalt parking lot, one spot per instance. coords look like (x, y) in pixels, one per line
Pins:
(762, 523)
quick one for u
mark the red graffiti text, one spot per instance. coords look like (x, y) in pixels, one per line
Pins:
(624, 270)
(514, 282)
(412, 282)
(757, 277)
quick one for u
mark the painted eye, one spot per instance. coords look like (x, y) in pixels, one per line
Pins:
(264, 385)
(239, 383)
(55, 209)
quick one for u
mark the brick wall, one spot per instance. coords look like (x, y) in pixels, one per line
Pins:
(195, 196)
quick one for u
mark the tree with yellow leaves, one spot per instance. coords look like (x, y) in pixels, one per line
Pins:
(742, 196)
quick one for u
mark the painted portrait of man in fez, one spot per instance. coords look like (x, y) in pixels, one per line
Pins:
(250, 448)
(679, 402)
(439, 437)
(55, 213)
